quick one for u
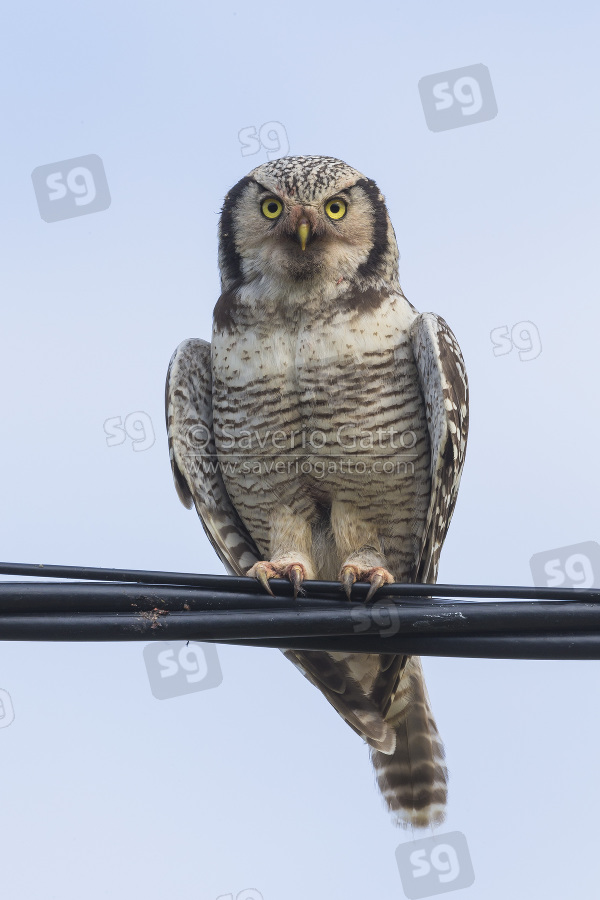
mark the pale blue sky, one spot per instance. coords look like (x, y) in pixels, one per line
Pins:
(257, 783)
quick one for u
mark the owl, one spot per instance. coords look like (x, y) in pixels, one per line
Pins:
(321, 434)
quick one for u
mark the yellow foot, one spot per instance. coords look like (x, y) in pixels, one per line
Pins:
(263, 571)
(376, 576)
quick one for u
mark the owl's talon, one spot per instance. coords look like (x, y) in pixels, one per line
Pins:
(264, 580)
(376, 576)
(262, 571)
(348, 578)
(376, 583)
(296, 576)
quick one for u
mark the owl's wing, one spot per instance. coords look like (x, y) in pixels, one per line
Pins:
(333, 674)
(413, 779)
(198, 480)
(188, 407)
(443, 380)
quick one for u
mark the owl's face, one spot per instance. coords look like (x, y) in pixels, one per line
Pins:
(311, 219)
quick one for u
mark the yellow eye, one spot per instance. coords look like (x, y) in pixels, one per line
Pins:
(336, 208)
(272, 207)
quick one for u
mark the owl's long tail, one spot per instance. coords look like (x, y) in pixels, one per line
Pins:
(413, 778)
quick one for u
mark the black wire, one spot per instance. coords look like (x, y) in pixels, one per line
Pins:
(409, 618)
(408, 614)
(283, 588)
(202, 626)
(223, 608)
(504, 646)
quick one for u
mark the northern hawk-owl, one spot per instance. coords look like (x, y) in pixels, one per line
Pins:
(322, 434)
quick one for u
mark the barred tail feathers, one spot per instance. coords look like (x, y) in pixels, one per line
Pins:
(413, 778)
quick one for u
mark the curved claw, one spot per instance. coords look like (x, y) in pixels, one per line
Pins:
(261, 575)
(263, 571)
(348, 578)
(296, 576)
(376, 581)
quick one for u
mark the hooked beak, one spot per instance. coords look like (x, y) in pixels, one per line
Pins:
(303, 231)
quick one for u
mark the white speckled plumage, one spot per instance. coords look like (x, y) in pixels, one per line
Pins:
(322, 342)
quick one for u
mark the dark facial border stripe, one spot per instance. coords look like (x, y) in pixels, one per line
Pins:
(372, 264)
(230, 259)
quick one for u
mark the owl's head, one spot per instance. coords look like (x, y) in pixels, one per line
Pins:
(306, 220)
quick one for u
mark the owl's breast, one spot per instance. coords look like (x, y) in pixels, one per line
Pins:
(255, 389)
(358, 387)
(335, 390)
